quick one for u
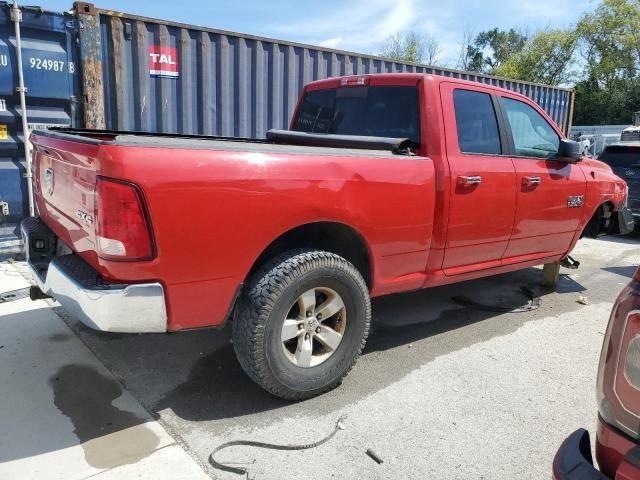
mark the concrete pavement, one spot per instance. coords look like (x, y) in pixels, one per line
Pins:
(62, 414)
(441, 391)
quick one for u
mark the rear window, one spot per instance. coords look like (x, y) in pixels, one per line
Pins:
(383, 111)
(621, 156)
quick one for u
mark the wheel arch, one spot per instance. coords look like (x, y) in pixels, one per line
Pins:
(599, 221)
(330, 236)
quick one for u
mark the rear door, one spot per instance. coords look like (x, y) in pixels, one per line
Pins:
(482, 180)
(550, 193)
(624, 160)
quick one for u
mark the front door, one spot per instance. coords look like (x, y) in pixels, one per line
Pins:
(550, 193)
(482, 186)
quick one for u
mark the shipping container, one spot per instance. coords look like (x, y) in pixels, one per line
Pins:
(52, 85)
(162, 76)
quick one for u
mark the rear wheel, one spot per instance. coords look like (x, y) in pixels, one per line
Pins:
(302, 323)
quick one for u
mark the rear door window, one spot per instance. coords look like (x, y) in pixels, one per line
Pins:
(377, 111)
(476, 123)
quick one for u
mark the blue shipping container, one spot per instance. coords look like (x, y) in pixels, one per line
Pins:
(52, 82)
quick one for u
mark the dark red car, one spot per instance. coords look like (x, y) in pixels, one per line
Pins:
(618, 435)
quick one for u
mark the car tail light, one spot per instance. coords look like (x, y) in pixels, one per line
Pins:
(619, 370)
(122, 228)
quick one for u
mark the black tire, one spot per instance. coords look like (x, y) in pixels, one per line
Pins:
(257, 325)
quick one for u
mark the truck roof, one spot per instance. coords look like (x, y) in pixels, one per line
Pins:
(394, 78)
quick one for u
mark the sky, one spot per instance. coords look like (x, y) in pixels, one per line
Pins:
(355, 25)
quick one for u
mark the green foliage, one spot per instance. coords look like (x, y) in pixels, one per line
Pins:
(547, 57)
(492, 48)
(610, 89)
(613, 105)
(611, 41)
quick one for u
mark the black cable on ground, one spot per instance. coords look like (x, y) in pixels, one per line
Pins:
(272, 446)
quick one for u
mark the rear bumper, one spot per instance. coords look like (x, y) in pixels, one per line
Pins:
(128, 308)
(573, 459)
(618, 457)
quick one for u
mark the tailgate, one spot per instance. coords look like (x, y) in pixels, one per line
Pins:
(64, 178)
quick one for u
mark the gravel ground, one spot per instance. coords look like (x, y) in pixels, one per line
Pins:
(442, 391)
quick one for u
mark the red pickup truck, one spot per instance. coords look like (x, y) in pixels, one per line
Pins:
(383, 184)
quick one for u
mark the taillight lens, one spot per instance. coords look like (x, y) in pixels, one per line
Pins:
(618, 386)
(122, 229)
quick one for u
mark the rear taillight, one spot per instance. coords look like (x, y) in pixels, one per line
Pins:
(122, 229)
(618, 386)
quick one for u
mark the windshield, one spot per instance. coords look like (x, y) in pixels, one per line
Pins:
(617, 156)
(385, 111)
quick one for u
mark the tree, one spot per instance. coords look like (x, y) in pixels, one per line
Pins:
(611, 41)
(491, 48)
(394, 47)
(547, 57)
(610, 45)
(464, 58)
(432, 50)
(412, 47)
(613, 105)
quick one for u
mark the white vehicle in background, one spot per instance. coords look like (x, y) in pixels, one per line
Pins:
(632, 133)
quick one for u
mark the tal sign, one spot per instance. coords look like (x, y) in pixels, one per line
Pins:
(163, 61)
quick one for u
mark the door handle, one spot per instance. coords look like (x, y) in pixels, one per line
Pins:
(465, 181)
(531, 181)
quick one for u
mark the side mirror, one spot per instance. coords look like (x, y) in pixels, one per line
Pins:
(569, 151)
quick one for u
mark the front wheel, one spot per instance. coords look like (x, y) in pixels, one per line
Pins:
(302, 324)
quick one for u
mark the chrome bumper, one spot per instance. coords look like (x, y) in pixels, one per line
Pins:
(127, 308)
